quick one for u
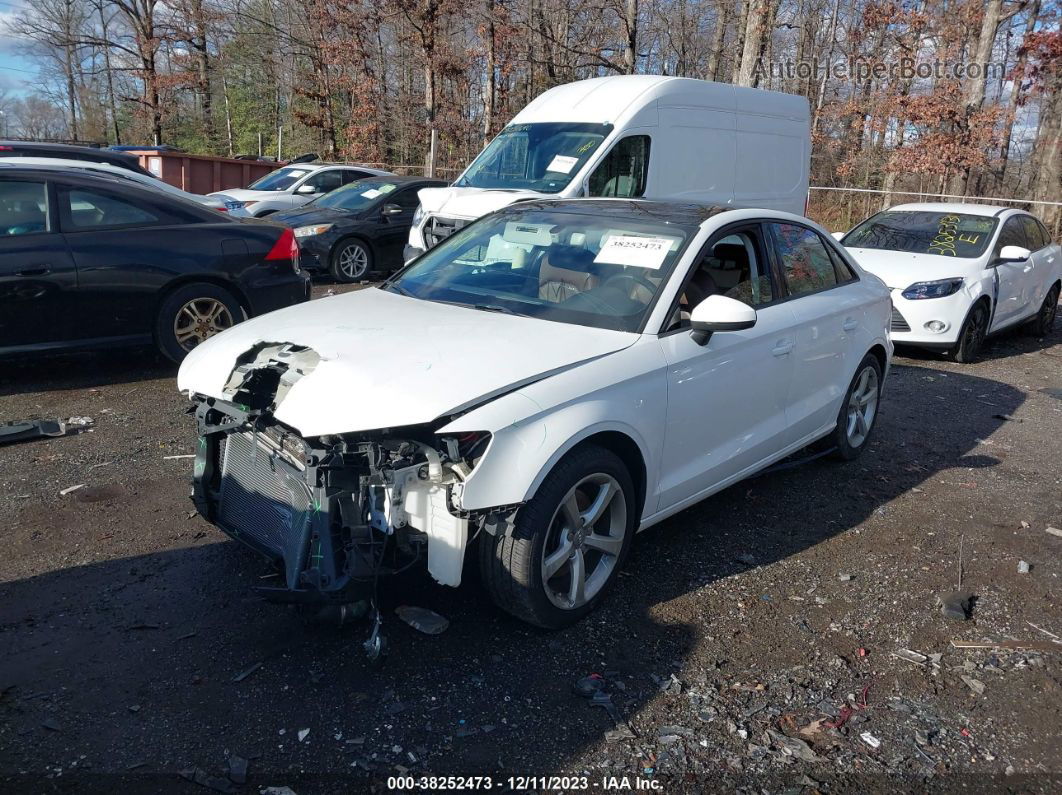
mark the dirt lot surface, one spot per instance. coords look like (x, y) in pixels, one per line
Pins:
(750, 643)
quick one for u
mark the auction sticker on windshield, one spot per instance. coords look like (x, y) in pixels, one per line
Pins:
(642, 252)
(562, 164)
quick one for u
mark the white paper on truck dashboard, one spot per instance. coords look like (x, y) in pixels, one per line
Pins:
(641, 252)
(562, 164)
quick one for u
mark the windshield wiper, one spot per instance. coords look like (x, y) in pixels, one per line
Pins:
(396, 287)
(490, 308)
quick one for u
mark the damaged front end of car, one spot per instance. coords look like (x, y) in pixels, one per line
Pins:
(334, 513)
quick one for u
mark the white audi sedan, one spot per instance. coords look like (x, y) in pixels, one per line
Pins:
(959, 272)
(548, 381)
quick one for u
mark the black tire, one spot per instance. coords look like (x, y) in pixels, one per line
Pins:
(176, 313)
(849, 442)
(356, 266)
(1043, 323)
(511, 566)
(971, 335)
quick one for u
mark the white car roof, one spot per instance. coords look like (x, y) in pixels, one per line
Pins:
(953, 207)
(317, 166)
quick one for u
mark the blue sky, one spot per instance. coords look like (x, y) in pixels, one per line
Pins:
(17, 75)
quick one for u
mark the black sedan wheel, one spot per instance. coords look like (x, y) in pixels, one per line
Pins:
(972, 335)
(351, 261)
(1044, 321)
(194, 313)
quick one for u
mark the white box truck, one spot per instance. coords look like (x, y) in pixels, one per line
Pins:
(633, 136)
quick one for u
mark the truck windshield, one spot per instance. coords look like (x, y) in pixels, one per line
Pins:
(921, 232)
(565, 266)
(541, 157)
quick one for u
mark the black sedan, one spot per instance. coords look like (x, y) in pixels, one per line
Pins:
(358, 228)
(88, 260)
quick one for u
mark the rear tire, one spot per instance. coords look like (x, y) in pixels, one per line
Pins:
(351, 261)
(1043, 323)
(859, 411)
(192, 314)
(971, 335)
(567, 543)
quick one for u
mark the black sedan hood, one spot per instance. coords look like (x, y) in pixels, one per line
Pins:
(313, 215)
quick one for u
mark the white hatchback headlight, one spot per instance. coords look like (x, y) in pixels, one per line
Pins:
(310, 231)
(418, 215)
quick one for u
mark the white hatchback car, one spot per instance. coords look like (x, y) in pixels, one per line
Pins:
(959, 272)
(293, 186)
(547, 381)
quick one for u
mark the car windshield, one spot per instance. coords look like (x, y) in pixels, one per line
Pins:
(541, 157)
(922, 232)
(573, 267)
(357, 195)
(281, 179)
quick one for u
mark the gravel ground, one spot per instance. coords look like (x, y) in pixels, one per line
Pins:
(750, 644)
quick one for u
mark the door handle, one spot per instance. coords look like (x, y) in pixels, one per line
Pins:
(782, 348)
(36, 270)
(850, 324)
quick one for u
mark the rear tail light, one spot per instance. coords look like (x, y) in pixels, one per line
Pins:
(286, 248)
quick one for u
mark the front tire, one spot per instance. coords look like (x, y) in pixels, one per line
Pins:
(1044, 321)
(567, 543)
(351, 261)
(192, 314)
(972, 335)
(859, 410)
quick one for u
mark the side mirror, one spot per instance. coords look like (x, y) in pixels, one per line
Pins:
(719, 313)
(306, 190)
(390, 209)
(837, 235)
(1013, 254)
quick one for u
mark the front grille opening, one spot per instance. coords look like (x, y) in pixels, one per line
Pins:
(898, 323)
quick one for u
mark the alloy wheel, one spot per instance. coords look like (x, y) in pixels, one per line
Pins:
(353, 261)
(862, 407)
(200, 319)
(975, 330)
(1047, 312)
(584, 542)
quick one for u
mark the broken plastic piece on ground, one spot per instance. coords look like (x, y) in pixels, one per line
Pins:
(1023, 567)
(620, 733)
(422, 619)
(248, 671)
(974, 684)
(791, 746)
(25, 430)
(69, 489)
(955, 604)
(1053, 531)
(588, 685)
(303, 734)
(910, 656)
(199, 776)
(870, 740)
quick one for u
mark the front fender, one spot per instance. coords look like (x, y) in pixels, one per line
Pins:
(523, 451)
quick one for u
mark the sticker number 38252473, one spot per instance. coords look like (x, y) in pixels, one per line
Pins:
(642, 252)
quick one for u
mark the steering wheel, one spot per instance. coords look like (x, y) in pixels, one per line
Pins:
(635, 281)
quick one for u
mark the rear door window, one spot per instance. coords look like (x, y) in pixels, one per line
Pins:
(1032, 233)
(624, 170)
(85, 208)
(23, 208)
(325, 181)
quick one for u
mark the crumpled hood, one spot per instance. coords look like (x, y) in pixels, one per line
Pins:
(470, 203)
(900, 269)
(387, 360)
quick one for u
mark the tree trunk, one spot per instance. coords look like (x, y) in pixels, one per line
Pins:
(755, 30)
(630, 55)
(492, 66)
(1015, 93)
(715, 51)
(1047, 177)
